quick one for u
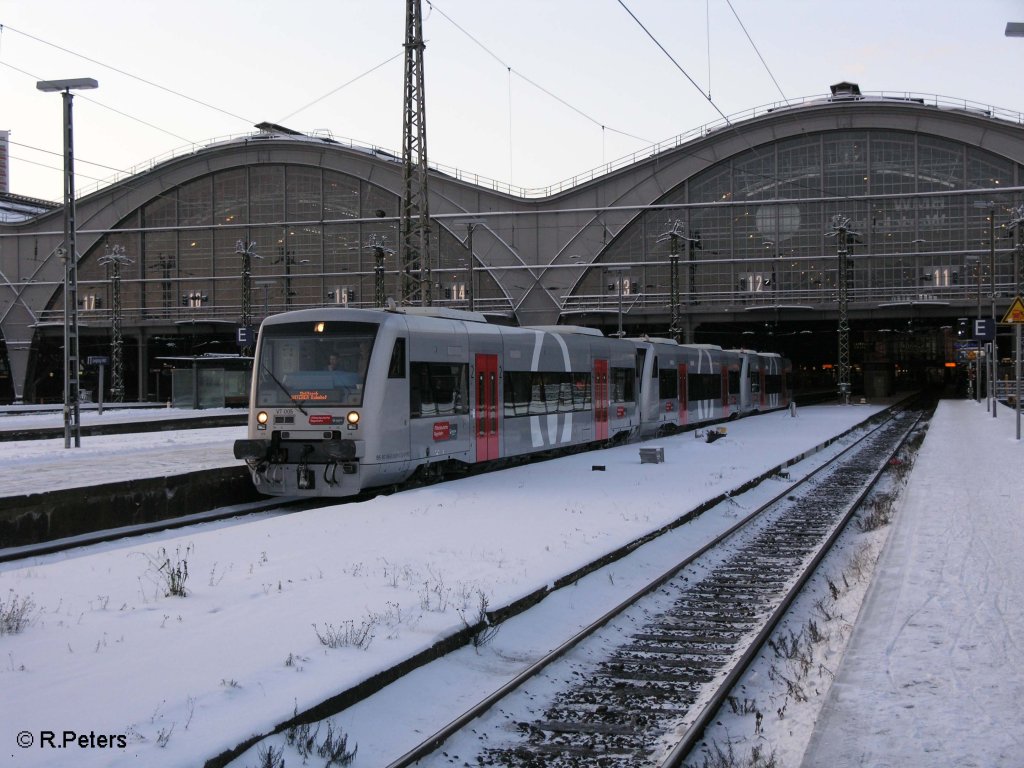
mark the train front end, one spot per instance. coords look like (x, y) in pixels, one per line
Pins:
(308, 404)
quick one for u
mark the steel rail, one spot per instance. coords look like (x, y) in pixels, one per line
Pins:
(432, 743)
(695, 732)
(12, 554)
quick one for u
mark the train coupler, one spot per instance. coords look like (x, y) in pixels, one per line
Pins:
(305, 478)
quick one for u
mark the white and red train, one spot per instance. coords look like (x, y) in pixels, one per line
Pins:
(348, 399)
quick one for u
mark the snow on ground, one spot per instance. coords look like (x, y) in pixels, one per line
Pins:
(108, 652)
(935, 671)
(181, 679)
(31, 466)
(926, 670)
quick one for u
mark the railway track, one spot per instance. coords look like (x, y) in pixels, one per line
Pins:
(638, 686)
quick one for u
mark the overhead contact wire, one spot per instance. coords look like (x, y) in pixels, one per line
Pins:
(513, 71)
(133, 77)
(754, 46)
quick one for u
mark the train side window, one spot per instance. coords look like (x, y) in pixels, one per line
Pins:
(438, 389)
(565, 394)
(534, 393)
(704, 386)
(517, 393)
(581, 397)
(622, 381)
(396, 370)
(668, 384)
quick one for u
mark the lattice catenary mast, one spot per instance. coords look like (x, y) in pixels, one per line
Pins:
(247, 250)
(841, 231)
(675, 328)
(380, 251)
(416, 277)
(116, 258)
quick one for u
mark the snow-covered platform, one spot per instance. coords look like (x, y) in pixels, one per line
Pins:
(33, 466)
(48, 491)
(934, 673)
(38, 422)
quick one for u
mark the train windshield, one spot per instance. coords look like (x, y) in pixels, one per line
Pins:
(319, 364)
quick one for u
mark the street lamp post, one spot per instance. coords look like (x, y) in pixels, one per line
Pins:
(72, 415)
(194, 300)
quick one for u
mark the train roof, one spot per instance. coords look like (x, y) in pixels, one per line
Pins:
(655, 340)
(443, 312)
(378, 315)
(567, 329)
(321, 313)
(747, 351)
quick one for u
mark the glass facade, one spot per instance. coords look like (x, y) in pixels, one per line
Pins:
(185, 263)
(749, 231)
(752, 229)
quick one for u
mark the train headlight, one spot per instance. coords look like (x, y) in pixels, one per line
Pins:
(352, 418)
(262, 417)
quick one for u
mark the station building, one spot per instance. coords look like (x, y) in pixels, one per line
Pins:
(728, 228)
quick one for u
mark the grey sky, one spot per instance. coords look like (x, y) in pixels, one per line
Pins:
(526, 92)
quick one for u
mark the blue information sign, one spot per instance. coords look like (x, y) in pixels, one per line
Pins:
(984, 329)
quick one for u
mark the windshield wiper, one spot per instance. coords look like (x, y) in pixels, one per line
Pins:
(298, 403)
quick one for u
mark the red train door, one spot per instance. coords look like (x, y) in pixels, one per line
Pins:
(486, 422)
(600, 399)
(684, 406)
